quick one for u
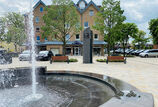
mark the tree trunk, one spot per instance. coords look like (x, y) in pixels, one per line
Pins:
(113, 48)
(108, 45)
(64, 48)
(15, 45)
(124, 49)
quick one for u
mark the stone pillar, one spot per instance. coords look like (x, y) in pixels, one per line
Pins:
(87, 46)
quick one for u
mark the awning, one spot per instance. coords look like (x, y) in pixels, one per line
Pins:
(68, 43)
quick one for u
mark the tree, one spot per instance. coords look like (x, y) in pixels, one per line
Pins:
(60, 21)
(127, 30)
(108, 18)
(2, 29)
(153, 27)
(16, 30)
(140, 39)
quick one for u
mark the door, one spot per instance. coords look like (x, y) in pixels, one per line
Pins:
(76, 51)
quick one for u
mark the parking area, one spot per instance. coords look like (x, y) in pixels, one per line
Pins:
(140, 72)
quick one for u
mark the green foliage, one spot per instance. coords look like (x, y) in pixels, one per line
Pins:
(61, 19)
(127, 30)
(107, 20)
(16, 29)
(104, 60)
(140, 39)
(2, 29)
(73, 60)
(153, 27)
(130, 56)
(101, 60)
(70, 60)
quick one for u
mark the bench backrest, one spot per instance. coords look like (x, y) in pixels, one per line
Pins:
(115, 58)
(60, 58)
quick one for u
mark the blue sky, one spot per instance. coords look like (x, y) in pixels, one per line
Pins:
(136, 11)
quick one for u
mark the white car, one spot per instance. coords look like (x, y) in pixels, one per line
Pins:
(149, 53)
(25, 55)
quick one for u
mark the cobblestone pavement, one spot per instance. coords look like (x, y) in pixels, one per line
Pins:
(140, 72)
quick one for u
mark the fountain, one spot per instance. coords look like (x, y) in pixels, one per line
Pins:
(34, 96)
(65, 88)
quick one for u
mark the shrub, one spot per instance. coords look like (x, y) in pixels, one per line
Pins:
(101, 60)
(130, 56)
(73, 60)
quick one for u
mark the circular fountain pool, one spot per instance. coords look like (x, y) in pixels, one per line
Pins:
(57, 90)
(68, 89)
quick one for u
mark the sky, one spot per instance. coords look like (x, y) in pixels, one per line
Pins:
(136, 11)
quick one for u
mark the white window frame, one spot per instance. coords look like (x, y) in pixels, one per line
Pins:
(39, 38)
(91, 13)
(82, 5)
(40, 9)
(79, 37)
(67, 26)
(67, 38)
(86, 26)
(36, 28)
(37, 19)
(97, 37)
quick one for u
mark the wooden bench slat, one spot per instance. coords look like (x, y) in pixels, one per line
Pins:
(60, 58)
(116, 58)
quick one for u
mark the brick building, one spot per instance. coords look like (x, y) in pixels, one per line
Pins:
(87, 12)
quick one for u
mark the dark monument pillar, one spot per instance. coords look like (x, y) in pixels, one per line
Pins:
(87, 46)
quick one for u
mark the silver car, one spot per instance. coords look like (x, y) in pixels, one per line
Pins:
(25, 55)
(149, 53)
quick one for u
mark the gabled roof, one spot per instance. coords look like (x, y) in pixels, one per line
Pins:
(38, 3)
(78, 8)
(80, 1)
(88, 5)
(76, 5)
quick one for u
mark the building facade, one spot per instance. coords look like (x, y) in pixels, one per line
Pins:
(86, 12)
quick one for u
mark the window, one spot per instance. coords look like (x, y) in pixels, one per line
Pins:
(91, 13)
(82, 5)
(45, 39)
(41, 9)
(78, 25)
(37, 29)
(38, 38)
(96, 37)
(67, 37)
(67, 26)
(77, 37)
(37, 19)
(86, 25)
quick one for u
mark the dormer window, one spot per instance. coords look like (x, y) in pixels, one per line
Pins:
(82, 5)
(91, 13)
(41, 9)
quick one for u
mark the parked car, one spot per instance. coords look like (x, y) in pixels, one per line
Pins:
(58, 55)
(5, 58)
(129, 51)
(149, 53)
(44, 56)
(138, 52)
(134, 52)
(25, 55)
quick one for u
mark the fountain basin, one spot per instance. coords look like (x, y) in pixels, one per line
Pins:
(68, 88)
